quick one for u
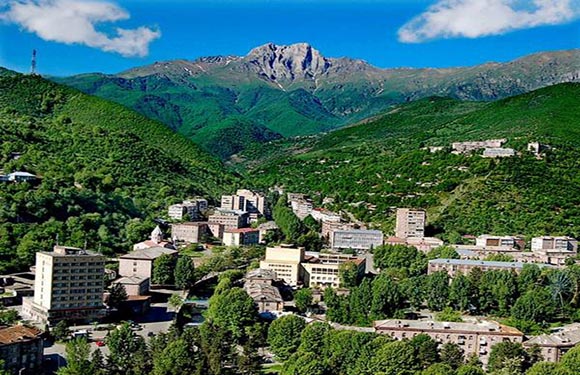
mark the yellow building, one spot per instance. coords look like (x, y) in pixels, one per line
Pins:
(285, 261)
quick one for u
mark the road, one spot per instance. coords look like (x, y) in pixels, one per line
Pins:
(156, 321)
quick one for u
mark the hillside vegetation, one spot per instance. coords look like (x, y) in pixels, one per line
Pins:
(105, 171)
(374, 167)
(295, 91)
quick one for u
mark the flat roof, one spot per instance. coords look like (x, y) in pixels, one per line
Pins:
(484, 263)
(356, 231)
(566, 337)
(148, 254)
(430, 325)
(241, 230)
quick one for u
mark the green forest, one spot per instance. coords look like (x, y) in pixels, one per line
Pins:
(104, 171)
(374, 167)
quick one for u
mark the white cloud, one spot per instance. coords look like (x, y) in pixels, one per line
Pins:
(75, 21)
(476, 18)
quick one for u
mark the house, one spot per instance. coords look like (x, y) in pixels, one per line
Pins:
(475, 339)
(140, 262)
(554, 345)
(241, 237)
(68, 285)
(259, 284)
(261, 276)
(134, 285)
(21, 349)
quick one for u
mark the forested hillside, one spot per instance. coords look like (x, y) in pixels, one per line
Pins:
(373, 167)
(105, 171)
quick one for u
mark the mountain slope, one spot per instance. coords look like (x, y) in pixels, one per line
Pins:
(294, 90)
(374, 166)
(105, 171)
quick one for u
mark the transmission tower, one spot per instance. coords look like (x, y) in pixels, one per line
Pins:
(33, 63)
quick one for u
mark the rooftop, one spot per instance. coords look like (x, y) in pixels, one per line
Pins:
(241, 230)
(355, 231)
(148, 254)
(63, 251)
(429, 325)
(263, 292)
(261, 273)
(483, 263)
(567, 336)
(18, 333)
(130, 280)
(191, 223)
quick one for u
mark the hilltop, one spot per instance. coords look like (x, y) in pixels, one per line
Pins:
(374, 166)
(105, 171)
(226, 103)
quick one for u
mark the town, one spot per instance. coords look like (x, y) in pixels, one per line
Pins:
(168, 279)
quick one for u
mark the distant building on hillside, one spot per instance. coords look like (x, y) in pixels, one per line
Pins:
(230, 219)
(498, 152)
(356, 239)
(468, 147)
(410, 223)
(554, 243)
(508, 242)
(190, 232)
(246, 200)
(18, 177)
(188, 208)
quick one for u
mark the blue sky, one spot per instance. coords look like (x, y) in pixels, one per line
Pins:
(415, 33)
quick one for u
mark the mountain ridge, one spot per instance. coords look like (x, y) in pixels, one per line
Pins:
(294, 90)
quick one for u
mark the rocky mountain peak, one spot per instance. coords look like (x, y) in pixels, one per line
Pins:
(288, 63)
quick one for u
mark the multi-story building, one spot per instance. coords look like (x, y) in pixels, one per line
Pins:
(230, 219)
(410, 223)
(134, 285)
(356, 239)
(301, 208)
(467, 147)
(190, 232)
(498, 152)
(322, 270)
(553, 346)
(68, 285)
(140, 262)
(547, 243)
(233, 202)
(508, 242)
(474, 338)
(323, 215)
(241, 237)
(21, 349)
(286, 262)
(259, 284)
(461, 266)
(265, 229)
(246, 200)
(192, 208)
(328, 227)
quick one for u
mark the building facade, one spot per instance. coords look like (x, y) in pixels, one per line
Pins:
(139, 263)
(241, 237)
(230, 219)
(192, 208)
(473, 338)
(356, 239)
(323, 269)
(553, 346)
(547, 243)
(410, 223)
(68, 285)
(498, 152)
(286, 262)
(190, 232)
(134, 285)
(21, 349)
(454, 267)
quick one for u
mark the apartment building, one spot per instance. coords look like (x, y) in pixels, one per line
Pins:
(474, 338)
(464, 266)
(548, 243)
(553, 346)
(508, 242)
(323, 215)
(68, 285)
(328, 227)
(190, 232)
(322, 270)
(21, 349)
(134, 285)
(192, 208)
(356, 239)
(139, 263)
(410, 223)
(230, 219)
(241, 237)
(498, 152)
(286, 262)
(467, 147)
(246, 200)
(301, 208)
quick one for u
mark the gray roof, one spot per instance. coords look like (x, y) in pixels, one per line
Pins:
(429, 325)
(263, 293)
(130, 280)
(566, 337)
(484, 263)
(151, 253)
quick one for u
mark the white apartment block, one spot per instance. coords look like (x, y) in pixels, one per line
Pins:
(356, 239)
(548, 243)
(323, 215)
(410, 223)
(498, 152)
(241, 237)
(192, 208)
(245, 200)
(322, 270)
(68, 285)
(474, 338)
(301, 208)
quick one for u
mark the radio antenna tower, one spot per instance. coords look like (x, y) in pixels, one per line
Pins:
(33, 63)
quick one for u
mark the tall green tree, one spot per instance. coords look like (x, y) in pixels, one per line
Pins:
(184, 272)
(303, 299)
(127, 351)
(232, 310)
(437, 290)
(284, 335)
(163, 268)
(77, 358)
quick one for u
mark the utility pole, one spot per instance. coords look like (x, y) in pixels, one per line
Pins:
(33, 63)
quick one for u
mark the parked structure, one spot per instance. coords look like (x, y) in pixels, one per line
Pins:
(459, 266)
(356, 239)
(475, 339)
(140, 262)
(190, 232)
(68, 285)
(410, 223)
(241, 237)
(553, 346)
(21, 349)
